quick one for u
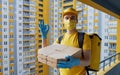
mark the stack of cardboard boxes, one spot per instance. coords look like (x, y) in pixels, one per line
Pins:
(51, 55)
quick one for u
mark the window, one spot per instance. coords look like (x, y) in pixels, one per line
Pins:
(11, 17)
(5, 16)
(11, 68)
(40, 46)
(20, 42)
(11, 36)
(20, 30)
(112, 46)
(20, 48)
(41, 5)
(20, 6)
(40, 10)
(40, 41)
(20, 54)
(5, 42)
(5, 36)
(20, 24)
(20, 60)
(5, 9)
(40, 66)
(20, 18)
(55, 26)
(20, 12)
(5, 49)
(5, 56)
(20, 36)
(105, 44)
(105, 51)
(55, 20)
(56, 9)
(5, 23)
(106, 37)
(5, 29)
(55, 15)
(6, 69)
(40, 15)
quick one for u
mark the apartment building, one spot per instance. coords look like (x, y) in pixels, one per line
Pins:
(112, 34)
(6, 37)
(54, 22)
(42, 13)
(17, 34)
(24, 38)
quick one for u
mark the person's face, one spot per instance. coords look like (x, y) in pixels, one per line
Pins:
(70, 21)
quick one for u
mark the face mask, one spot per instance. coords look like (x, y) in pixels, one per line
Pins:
(69, 24)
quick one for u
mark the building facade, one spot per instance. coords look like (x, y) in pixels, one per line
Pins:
(42, 13)
(17, 28)
(7, 37)
(24, 37)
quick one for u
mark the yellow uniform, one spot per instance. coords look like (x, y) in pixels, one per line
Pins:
(72, 40)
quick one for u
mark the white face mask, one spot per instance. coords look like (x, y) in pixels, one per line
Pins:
(69, 24)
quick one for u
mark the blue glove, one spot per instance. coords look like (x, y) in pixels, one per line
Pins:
(44, 28)
(71, 61)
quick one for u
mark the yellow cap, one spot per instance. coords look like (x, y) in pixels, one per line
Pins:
(70, 10)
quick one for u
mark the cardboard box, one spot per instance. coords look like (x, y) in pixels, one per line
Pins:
(51, 55)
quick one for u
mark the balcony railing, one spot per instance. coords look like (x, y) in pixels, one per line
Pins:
(25, 14)
(26, 2)
(26, 8)
(107, 62)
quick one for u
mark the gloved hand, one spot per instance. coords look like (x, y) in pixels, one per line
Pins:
(71, 61)
(44, 28)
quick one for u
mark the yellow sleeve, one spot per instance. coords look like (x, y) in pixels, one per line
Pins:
(56, 41)
(87, 42)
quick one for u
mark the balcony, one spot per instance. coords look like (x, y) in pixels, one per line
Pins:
(26, 14)
(26, 32)
(26, 21)
(26, 37)
(26, 8)
(26, 44)
(109, 66)
(26, 26)
(26, 2)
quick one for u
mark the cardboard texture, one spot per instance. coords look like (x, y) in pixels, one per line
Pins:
(51, 55)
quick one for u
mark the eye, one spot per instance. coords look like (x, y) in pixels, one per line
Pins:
(72, 17)
(66, 18)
